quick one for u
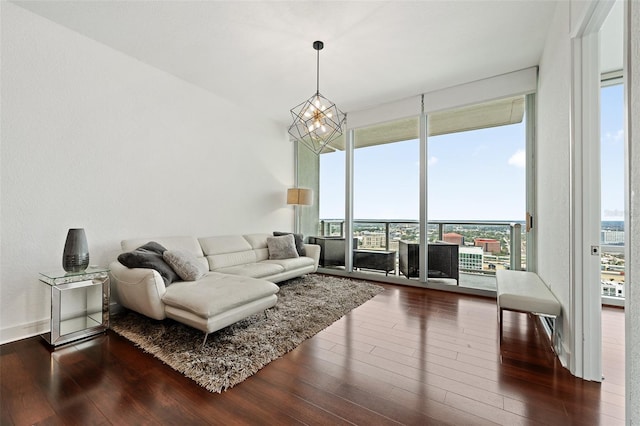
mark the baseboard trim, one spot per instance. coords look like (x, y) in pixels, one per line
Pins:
(23, 331)
(35, 328)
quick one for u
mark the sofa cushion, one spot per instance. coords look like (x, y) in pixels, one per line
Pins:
(299, 239)
(185, 264)
(253, 270)
(224, 244)
(149, 256)
(216, 293)
(220, 261)
(283, 247)
(226, 251)
(293, 263)
(257, 241)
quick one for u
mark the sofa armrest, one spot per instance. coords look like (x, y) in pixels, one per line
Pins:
(313, 251)
(139, 289)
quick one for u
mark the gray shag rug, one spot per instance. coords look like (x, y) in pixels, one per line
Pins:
(305, 306)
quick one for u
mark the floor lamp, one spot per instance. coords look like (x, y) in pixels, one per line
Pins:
(299, 197)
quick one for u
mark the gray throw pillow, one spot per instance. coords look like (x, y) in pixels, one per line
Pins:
(186, 265)
(302, 251)
(283, 247)
(149, 256)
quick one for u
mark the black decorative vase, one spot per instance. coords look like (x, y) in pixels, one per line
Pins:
(75, 257)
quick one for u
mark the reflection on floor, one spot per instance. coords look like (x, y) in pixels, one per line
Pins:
(466, 279)
(482, 281)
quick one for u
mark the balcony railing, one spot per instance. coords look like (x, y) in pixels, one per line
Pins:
(514, 252)
(513, 243)
(612, 272)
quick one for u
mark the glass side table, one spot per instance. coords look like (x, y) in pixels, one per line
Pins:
(79, 304)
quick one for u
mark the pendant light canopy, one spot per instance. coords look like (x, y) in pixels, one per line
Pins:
(316, 121)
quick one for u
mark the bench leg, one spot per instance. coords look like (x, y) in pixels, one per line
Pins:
(553, 335)
(500, 323)
(205, 339)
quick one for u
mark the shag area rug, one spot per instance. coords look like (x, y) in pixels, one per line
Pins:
(305, 306)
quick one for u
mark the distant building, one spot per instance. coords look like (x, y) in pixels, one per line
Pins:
(612, 288)
(612, 237)
(471, 258)
(488, 245)
(373, 239)
(453, 238)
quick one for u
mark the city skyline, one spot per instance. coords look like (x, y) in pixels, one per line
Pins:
(474, 175)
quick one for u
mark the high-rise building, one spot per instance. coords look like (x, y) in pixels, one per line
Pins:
(612, 237)
(612, 288)
(373, 239)
(470, 258)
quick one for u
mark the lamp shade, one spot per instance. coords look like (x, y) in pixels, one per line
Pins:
(300, 196)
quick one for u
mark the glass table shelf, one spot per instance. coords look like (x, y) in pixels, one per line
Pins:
(63, 277)
(79, 304)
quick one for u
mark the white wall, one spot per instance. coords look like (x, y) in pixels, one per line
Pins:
(554, 183)
(95, 139)
(553, 180)
(632, 309)
(554, 95)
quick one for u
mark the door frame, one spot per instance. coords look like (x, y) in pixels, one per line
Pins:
(585, 221)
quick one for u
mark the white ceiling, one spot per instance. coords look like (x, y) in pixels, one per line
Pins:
(259, 53)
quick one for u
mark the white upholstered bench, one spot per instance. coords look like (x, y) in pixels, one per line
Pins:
(525, 292)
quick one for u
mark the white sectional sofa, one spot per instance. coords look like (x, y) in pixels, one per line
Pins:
(240, 281)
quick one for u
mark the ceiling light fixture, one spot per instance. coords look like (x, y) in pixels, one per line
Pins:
(316, 121)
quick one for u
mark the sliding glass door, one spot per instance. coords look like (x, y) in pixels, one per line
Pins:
(477, 187)
(386, 194)
(442, 204)
(612, 242)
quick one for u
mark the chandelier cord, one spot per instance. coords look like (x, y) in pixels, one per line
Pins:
(318, 71)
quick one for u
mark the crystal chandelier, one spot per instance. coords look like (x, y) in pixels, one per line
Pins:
(316, 121)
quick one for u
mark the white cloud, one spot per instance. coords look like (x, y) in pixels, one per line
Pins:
(432, 161)
(613, 213)
(616, 137)
(519, 159)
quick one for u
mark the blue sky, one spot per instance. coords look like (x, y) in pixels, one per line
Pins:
(475, 175)
(612, 153)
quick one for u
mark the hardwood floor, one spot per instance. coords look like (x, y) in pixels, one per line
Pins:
(409, 356)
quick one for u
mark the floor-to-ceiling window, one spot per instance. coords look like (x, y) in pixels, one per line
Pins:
(612, 191)
(332, 190)
(477, 187)
(331, 206)
(474, 159)
(386, 171)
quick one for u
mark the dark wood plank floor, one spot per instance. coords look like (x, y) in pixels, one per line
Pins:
(408, 356)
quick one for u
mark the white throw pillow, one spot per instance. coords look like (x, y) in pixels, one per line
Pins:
(186, 265)
(283, 247)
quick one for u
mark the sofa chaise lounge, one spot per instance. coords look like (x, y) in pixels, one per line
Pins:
(239, 282)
